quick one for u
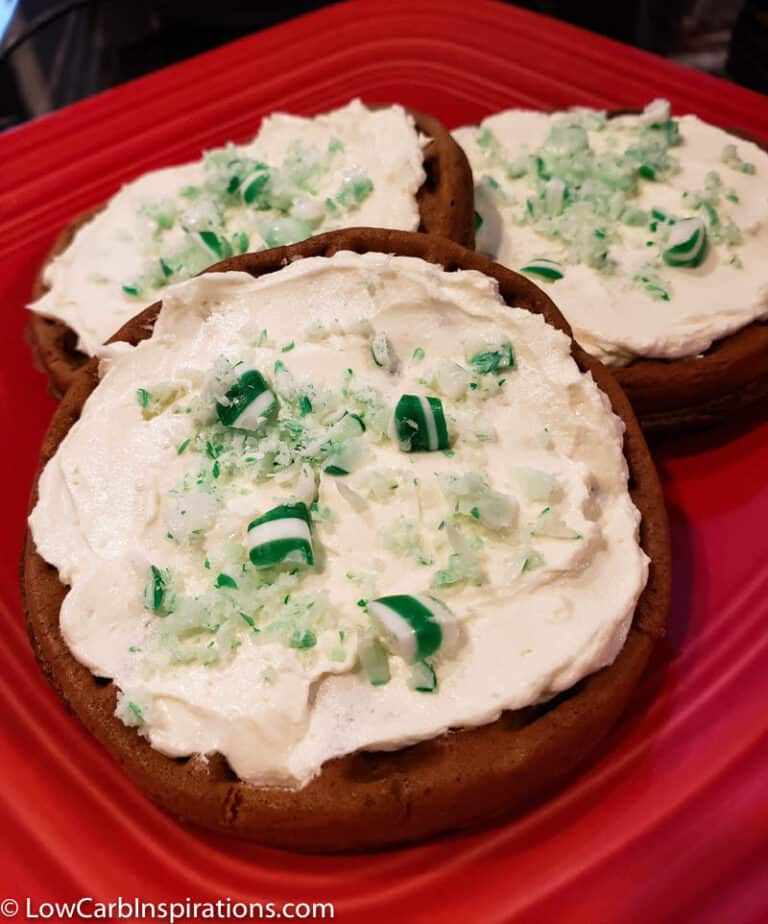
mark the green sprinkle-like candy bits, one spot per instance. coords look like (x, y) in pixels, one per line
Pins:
(420, 424)
(281, 535)
(493, 360)
(653, 287)
(580, 192)
(218, 247)
(158, 594)
(302, 639)
(335, 470)
(413, 627)
(550, 270)
(247, 402)
(225, 580)
(253, 186)
(730, 156)
(687, 243)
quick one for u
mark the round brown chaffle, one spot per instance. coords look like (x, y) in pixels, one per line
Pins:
(445, 207)
(369, 800)
(696, 391)
(700, 390)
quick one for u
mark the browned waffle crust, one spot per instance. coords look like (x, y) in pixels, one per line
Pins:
(700, 390)
(445, 206)
(369, 800)
(54, 343)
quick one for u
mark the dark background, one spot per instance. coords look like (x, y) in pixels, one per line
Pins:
(53, 53)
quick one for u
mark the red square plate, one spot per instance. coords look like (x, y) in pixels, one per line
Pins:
(671, 822)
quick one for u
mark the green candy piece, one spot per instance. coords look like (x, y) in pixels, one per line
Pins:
(218, 247)
(550, 270)
(354, 191)
(224, 580)
(241, 240)
(687, 243)
(281, 535)
(493, 360)
(423, 678)
(253, 186)
(247, 402)
(413, 627)
(302, 639)
(420, 424)
(158, 594)
(373, 660)
(335, 470)
(382, 352)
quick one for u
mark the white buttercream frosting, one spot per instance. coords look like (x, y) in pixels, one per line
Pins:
(611, 311)
(351, 167)
(147, 477)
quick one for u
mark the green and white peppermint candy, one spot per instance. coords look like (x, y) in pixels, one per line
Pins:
(246, 403)
(687, 243)
(550, 270)
(382, 352)
(420, 424)
(414, 627)
(373, 659)
(281, 535)
(423, 678)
